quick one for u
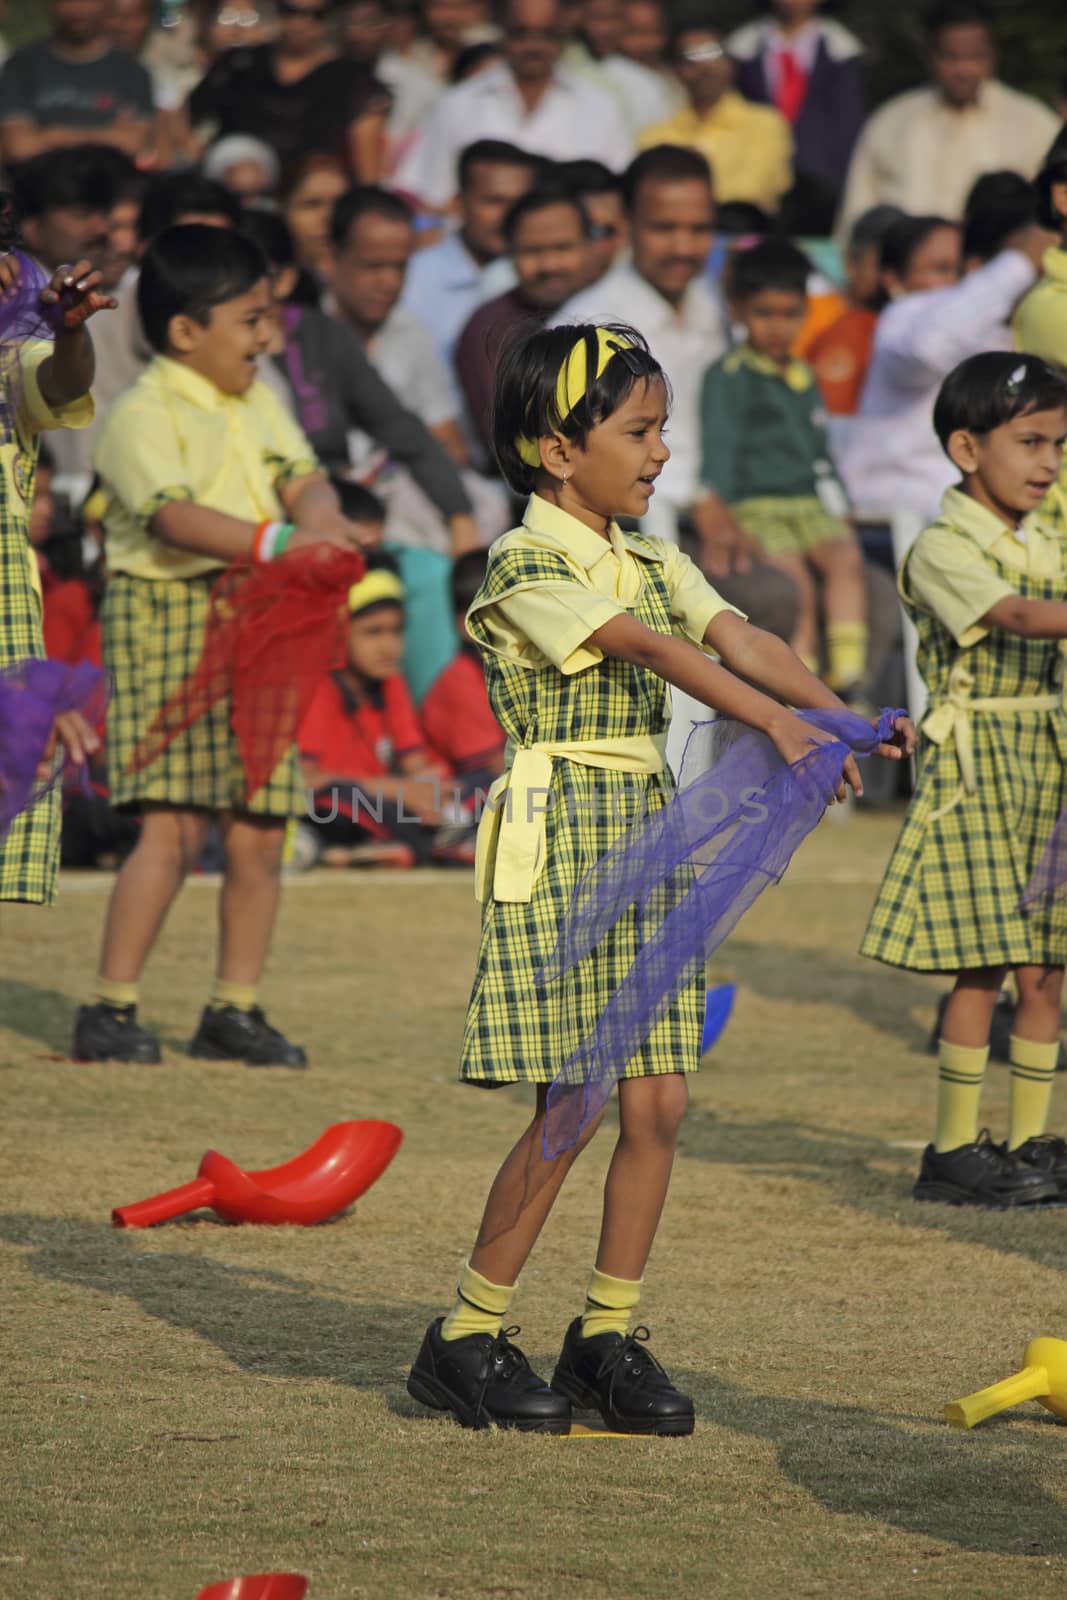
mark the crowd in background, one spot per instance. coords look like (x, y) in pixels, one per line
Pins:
(428, 178)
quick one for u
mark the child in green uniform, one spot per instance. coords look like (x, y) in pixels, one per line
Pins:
(200, 463)
(986, 585)
(579, 625)
(766, 452)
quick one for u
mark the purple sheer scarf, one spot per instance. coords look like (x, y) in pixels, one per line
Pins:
(689, 873)
(32, 695)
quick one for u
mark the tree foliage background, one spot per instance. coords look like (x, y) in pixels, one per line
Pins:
(1032, 36)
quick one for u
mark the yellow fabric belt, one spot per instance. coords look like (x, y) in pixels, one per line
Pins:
(514, 816)
(951, 719)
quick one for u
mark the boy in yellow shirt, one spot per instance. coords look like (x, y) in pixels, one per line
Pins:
(201, 466)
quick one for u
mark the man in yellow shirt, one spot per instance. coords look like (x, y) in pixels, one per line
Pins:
(748, 147)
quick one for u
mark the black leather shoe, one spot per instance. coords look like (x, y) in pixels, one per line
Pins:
(982, 1174)
(1047, 1154)
(621, 1378)
(484, 1380)
(111, 1033)
(226, 1034)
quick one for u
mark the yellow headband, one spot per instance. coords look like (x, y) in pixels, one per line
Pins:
(573, 382)
(381, 584)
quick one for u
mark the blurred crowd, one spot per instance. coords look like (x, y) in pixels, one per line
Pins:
(427, 179)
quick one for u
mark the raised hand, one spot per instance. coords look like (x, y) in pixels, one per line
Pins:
(75, 291)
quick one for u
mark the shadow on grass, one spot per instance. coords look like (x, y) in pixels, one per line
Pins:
(263, 1321)
(976, 1492)
(44, 1016)
(850, 1169)
(879, 996)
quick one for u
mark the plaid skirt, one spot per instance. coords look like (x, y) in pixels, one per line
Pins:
(520, 1031)
(949, 898)
(789, 524)
(153, 637)
(29, 851)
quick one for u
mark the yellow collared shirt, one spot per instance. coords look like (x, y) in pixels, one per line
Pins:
(945, 573)
(1040, 322)
(175, 436)
(18, 451)
(749, 148)
(550, 622)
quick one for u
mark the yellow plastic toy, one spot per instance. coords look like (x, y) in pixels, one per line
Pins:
(1043, 1378)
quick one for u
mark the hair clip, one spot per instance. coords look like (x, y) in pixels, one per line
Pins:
(1017, 379)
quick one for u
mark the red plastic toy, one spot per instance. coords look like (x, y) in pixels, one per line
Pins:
(260, 1586)
(329, 1175)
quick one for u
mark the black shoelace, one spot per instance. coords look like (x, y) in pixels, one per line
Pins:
(505, 1360)
(628, 1354)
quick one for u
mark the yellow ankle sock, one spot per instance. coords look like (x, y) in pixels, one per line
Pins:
(1033, 1069)
(608, 1304)
(242, 996)
(479, 1307)
(846, 648)
(118, 995)
(960, 1070)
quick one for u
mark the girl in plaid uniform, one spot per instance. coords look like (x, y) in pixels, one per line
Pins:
(579, 625)
(45, 385)
(987, 587)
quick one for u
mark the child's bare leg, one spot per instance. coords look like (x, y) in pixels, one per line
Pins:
(1035, 1049)
(523, 1193)
(251, 891)
(650, 1114)
(147, 886)
(805, 640)
(838, 564)
(969, 1014)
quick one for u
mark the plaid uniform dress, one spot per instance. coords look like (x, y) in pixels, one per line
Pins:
(948, 901)
(518, 1030)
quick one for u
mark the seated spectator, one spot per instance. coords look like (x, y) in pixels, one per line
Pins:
(309, 190)
(366, 32)
(748, 148)
(811, 69)
(298, 93)
(999, 203)
(602, 199)
(644, 40)
(74, 86)
(64, 199)
(448, 27)
(373, 236)
(528, 100)
(840, 352)
(890, 460)
(456, 715)
(247, 167)
(167, 56)
(376, 789)
(924, 149)
(223, 25)
(448, 281)
(596, 54)
(547, 235)
(121, 252)
(766, 453)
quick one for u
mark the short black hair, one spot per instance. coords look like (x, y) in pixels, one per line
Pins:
(86, 176)
(872, 225)
(942, 14)
(190, 269)
(903, 238)
(986, 391)
(1053, 171)
(525, 402)
(358, 503)
(493, 153)
(998, 205)
(472, 58)
(366, 200)
(271, 233)
(690, 23)
(466, 578)
(540, 198)
(181, 194)
(586, 176)
(740, 217)
(664, 163)
(771, 264)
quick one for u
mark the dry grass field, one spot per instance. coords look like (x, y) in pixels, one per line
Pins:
(195, 1401)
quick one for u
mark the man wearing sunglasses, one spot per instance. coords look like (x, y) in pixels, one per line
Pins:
(298, 93)
(528, 99)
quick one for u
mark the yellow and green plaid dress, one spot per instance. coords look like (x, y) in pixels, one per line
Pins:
(29, 851)
(992, 782)
(550, 584)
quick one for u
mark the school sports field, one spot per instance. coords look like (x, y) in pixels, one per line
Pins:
(197, 1401)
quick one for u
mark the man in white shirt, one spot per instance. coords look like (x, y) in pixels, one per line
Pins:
(923, 150)
(527, 99)
(641, 95)
(447, 283)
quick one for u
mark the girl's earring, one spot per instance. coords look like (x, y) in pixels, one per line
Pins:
(563, 478)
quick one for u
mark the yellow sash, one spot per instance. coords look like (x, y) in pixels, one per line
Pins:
(951, 719)
(514, 816)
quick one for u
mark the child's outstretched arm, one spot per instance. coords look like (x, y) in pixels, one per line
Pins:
(68, 372)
